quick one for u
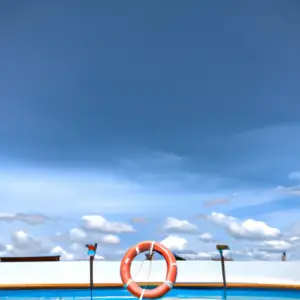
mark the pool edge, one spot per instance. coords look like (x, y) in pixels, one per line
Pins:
(119, 285)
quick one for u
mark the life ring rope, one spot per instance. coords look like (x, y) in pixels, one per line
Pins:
(142, 294)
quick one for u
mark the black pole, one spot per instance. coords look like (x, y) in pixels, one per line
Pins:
(223, 274)
(91, 275)
(92, 256)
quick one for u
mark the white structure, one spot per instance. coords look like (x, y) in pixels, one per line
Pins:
(106, 273)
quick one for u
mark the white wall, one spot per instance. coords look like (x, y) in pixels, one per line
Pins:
(188, 272)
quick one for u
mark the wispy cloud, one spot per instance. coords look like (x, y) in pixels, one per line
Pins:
(143, 187)
(31, 219)
(289, 190)
(55, 192)
(139, 220)
(295, 176)
(215, 202)
(284, 204)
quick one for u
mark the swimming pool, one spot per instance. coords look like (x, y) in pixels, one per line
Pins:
(176, 293)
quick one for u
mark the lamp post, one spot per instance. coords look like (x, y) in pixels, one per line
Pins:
(91, 252)
(221, 248)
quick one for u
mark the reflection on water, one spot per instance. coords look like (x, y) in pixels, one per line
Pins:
(165, 298)
(174, 294)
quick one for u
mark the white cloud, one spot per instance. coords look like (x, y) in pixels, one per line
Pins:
(65, 255)
(22, 239)
(198, 256)
(255, 254)
(77, 235)
(99, 257)
(276, 246)
(294, 239)
(23, 244)
(248, 229)
(175, 243)
(206, 237)
(173, 225)
(69, 246)
(98, 223)
(179, 245)
(76, 253)
(80, 236)
(110, 239)
(285, 244)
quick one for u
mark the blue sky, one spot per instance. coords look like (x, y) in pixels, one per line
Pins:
(150, 110)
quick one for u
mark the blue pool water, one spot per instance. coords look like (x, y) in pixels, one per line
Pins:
(176, 293)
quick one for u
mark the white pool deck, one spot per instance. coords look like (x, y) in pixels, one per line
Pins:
(106, 273)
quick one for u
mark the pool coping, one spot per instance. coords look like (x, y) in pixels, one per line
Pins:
(203, 285)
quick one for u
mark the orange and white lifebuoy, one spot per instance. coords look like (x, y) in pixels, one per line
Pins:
(132, 286)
